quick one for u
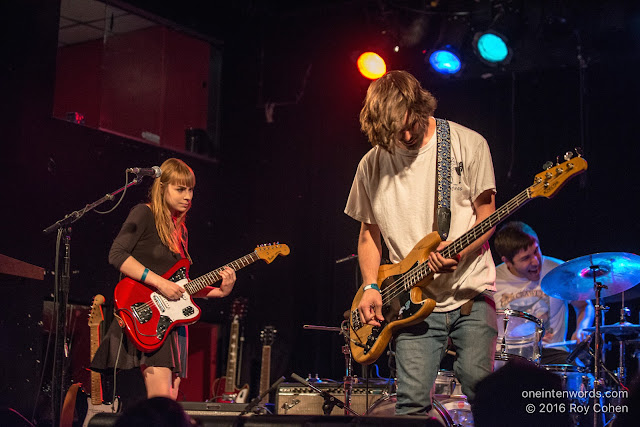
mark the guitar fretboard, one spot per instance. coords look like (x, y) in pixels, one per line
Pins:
(212, 277)
(419, 272)
(265, 371)
(232, 356)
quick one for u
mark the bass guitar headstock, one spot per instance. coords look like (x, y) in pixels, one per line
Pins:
(549, 182)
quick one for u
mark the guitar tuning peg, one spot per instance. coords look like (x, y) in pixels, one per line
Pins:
(557, 160)
(568, 155)
(579, 151)
(547, 165)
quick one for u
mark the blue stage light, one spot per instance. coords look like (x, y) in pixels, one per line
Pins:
(492, 48)
(445, 61)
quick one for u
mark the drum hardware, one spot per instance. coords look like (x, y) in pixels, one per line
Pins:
(519, 337)
(623, 332)
(596, 276)
(349, 379)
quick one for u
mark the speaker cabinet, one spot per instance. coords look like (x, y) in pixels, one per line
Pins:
(296, 399)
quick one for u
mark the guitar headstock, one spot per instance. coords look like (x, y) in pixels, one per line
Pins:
(268, 252)
(549, 182)
(95, 315)
(238, 308)
(268, 335)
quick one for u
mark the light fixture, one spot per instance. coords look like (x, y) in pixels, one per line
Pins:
(371, 65)
(492, 48)
(445, 61)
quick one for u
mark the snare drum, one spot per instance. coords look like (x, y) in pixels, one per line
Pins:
(519, 334)
(575, 379)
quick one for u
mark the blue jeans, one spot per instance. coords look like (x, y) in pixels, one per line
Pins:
(420, 348)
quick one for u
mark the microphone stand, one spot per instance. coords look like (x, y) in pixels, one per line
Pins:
(259, 398)
(329, 400)
(61, 297)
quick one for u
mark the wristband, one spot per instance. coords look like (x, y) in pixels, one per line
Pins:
(372, 286)
(144, 274)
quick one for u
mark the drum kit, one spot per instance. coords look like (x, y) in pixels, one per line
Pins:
(597, 277)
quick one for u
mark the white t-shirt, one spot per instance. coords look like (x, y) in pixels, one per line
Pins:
(521, 294)
(398, 193)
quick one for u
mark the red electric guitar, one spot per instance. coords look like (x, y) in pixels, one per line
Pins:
(148, 316)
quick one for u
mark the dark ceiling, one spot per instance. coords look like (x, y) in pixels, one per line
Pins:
(543, 33)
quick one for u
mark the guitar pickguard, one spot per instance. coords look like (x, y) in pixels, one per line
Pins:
(398, 308)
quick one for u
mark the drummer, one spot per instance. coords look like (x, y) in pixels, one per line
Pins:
(518, 281)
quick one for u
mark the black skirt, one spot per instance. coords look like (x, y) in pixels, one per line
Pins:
(117, 350)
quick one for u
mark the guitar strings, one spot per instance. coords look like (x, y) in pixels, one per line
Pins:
(421, 271)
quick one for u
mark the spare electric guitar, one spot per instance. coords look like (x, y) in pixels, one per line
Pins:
(148, 316)
(224, 388)
(402, 284)
(94, 401)
(267, 336)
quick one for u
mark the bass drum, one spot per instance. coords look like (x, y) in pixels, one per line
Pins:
(451, 411)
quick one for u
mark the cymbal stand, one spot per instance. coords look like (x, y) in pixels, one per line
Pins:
(622, 370)
(598, 382)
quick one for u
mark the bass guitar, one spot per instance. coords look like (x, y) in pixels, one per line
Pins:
(148, 316)
(224, 388)
(402, 284)
(75, 397)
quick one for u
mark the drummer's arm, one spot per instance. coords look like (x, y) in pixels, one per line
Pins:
(585, 313)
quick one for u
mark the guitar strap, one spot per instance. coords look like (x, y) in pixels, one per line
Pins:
(443, 211)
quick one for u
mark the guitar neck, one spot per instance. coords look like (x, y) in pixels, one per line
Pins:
(422, 270)
(232, 357)
(487, 224)
(265, 371)
(212, 277)
(96, 382)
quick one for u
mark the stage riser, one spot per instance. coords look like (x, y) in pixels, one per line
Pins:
(108, 420)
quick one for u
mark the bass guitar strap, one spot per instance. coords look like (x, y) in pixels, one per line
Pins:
(443, 211)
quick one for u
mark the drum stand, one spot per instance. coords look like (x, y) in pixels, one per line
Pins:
(598, 383)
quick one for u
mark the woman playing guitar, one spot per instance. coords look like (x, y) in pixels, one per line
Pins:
(152, 239)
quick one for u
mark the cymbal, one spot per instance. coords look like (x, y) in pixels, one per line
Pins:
(620, 329)
(573, 280)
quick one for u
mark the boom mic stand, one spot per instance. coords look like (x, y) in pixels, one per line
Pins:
(329, 400)
(61, 295)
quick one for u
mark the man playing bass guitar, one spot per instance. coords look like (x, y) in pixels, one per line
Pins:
(394, 196)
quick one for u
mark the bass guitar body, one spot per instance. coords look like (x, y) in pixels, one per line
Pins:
(403, 307)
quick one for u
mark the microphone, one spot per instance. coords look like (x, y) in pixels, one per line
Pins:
(580, 348)
(152, 171)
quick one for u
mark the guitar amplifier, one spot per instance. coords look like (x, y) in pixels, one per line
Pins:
(297, 399)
